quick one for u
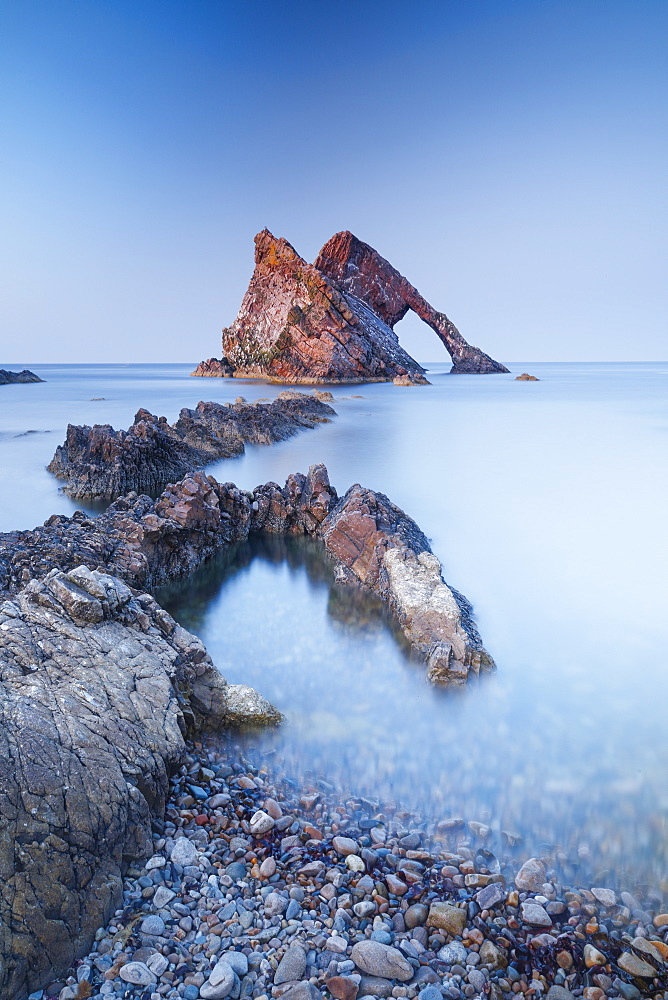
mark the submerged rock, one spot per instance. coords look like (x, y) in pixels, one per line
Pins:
(332, 321)
(98, 689)
(99, 463)
(11, 378)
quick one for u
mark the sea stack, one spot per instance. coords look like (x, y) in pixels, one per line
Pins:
(332, 321)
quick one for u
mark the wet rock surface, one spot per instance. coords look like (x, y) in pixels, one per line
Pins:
(100, 463)
(99, 688)
(12, 378)
(373, 542)
(234, 925)
(525, 377)
(332, 321)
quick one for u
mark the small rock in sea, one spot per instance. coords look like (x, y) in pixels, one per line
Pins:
(381, 960)
(292, 966)
(183, 852)
(531, 876)
(137, 973)
(447, 917)
(525, 377)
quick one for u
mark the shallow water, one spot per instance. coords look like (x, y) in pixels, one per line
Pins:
(546, 504)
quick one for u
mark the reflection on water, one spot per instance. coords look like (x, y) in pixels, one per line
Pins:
(361, 716)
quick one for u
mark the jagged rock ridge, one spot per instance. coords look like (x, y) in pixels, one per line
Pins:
(99, 463)
(331, 321)
(373, 542)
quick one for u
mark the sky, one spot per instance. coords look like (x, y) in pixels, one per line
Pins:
(508, 156)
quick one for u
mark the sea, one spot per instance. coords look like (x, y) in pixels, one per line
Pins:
(546, 504)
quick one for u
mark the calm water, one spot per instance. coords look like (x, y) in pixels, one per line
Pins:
(546, 504)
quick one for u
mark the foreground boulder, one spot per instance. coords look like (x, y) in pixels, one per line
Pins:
(98, 689)
(332, 321)
(10, 378)
(99, 463)
(372, 541)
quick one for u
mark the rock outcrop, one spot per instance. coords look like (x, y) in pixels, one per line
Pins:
(146, 542)
(100, 463)
(525, 377)
(99, 688)
(10, 378)
(214, 368)
(359, 270)
(332, 321)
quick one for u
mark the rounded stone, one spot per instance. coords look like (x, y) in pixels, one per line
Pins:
(345, 845)
(291, 967)
(260, 823)
(381, 960)
(416, 916)
(137, 973)
(153, 925)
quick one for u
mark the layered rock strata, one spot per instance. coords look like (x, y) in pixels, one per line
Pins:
(100, 463)
(332, 321)
(359, 270)
(146, 542)
(10, 378)
(99, 688)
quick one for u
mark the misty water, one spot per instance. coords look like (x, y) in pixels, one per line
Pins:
(545, 503)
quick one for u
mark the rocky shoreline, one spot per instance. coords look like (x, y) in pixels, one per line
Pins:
(372, 542)
(259, 888)
(100, 463)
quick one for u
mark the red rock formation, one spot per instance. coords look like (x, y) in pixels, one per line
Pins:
(332, 321)
(295, 325)
(357, 268)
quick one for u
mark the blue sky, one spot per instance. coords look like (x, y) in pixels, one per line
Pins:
(508, 156)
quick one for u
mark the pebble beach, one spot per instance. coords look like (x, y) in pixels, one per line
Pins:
(262, 888)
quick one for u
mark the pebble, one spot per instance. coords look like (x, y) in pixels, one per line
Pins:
(535, 915)
(345, 845)
(381, 960)
(137, 973)
(447, 917)
(531, 876)
(261, 823)
(292, 966)
(183, 852)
